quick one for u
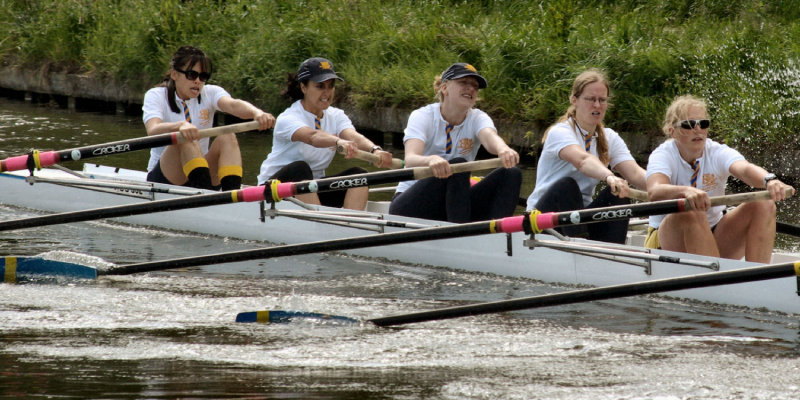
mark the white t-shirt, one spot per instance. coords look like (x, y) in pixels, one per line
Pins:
(285, 151)
(156, 106)
(552, 168)
(427, 124)
(715, 166)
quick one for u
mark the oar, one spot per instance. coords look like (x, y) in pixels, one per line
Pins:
(272, 192)
(13, 269)
(530, 223)
(372, 158)
(280, 316)
(38, 160)
(780, 227)
(751, 274)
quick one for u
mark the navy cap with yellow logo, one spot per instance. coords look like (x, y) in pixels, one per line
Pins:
(461, 70)
(317, 69)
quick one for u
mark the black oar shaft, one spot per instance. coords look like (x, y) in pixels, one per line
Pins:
(445, 232)
(38, 159)
(751, 274)
(119, 211)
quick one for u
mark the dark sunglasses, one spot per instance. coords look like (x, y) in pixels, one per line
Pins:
(691, 123)
(192, 75)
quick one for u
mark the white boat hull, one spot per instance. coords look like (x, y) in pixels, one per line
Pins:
(484, 253)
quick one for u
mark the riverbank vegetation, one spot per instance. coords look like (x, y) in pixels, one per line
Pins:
(741, 55)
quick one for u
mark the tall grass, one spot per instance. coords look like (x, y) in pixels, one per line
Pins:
(741, 55)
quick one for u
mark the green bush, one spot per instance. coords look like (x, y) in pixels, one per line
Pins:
(741, 55)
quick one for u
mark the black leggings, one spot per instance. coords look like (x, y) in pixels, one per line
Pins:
(453, 199)
(565, 195)
(299, 171)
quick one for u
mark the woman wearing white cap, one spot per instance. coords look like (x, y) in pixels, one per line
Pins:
(452, 131)
(307, 134)
(578, 153)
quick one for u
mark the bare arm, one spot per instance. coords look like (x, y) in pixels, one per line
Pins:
(494, 144)
(414, 149)
(592, 167)
(659, 188)
(632, 173)
(753, 175)
(245, 110)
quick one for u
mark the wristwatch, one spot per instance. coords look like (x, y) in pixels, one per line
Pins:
(768, 177)
(376, 147)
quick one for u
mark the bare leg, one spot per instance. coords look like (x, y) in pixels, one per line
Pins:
(308, 198)
(687, 232)
(356, 198)
(174, 157)
(224, 151)
(748, 231)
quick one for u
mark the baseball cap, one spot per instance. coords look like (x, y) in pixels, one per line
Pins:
(317, 69)
(460, 70)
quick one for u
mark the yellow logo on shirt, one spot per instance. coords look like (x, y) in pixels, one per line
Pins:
(465, 146)
(205, 117)
(710, 181)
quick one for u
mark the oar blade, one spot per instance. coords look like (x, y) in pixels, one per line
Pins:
(281, 316)
(16, 269)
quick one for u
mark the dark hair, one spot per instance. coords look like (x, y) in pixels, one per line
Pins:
(293, 89)
(185, 56)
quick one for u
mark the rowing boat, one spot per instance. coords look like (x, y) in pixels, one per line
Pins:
(544, 257)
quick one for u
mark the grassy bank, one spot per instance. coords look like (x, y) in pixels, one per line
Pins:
(739, 54)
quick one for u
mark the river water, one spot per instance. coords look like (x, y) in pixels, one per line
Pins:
(172, 334)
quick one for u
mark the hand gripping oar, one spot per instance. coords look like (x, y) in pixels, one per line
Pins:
(530, 223)
(751, 274)
(273, 191)
(372, 158)
(780, 227)
(38, 160)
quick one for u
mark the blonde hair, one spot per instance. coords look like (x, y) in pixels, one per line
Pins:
(679, 109)
(587, 78)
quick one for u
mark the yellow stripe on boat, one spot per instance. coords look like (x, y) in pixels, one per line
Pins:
(10, 275)
(797, 268)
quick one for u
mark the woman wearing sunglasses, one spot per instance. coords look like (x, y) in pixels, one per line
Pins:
(452, 131)
(308, 133)
(578, 153)
(692, 166)
(183, 102)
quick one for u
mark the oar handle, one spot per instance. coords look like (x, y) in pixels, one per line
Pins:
(222, 130)
(426, 172)
(371, 158)
(727, 200)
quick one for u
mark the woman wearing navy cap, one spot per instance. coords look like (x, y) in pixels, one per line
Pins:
(307, 134)
(452, 131)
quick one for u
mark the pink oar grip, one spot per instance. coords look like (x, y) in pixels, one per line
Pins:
(546, 221)
(253, 193)
(19, 163)
(511, 224)
(286, 189)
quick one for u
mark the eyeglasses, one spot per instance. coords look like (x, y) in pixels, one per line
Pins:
(691, 123)
(592, 100)
(192, 75)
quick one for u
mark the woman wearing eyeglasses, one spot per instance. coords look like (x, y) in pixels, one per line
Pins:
(452, 131)
(183, 102)
(690, 165)
(578, 153)
(308, 133)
